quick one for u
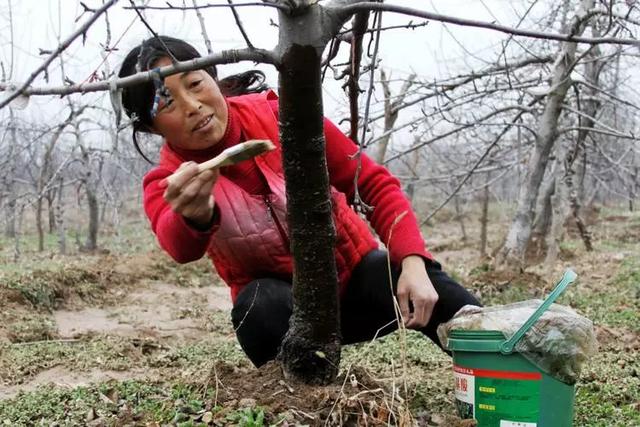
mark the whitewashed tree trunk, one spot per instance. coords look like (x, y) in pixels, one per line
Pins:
(513, 251)
(559, 206)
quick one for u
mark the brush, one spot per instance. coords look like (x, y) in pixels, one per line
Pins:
(238, 153)
(230, 156)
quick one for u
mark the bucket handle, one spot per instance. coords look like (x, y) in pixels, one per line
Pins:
(568, 277)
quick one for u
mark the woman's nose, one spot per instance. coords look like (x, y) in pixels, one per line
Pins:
(192, 105)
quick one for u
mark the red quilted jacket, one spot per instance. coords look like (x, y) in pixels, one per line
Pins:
(249, 239)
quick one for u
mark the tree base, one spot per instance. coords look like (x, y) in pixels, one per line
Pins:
(309, 362)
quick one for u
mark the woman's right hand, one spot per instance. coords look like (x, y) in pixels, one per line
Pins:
(189, 192)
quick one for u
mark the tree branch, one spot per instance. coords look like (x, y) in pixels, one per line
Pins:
(65, 44)
(224, 57)
(363, 6)
(239, 24)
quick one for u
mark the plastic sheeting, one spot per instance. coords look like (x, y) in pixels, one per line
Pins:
(558, 343)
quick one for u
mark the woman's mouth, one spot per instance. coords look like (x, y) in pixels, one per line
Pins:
(202, 123)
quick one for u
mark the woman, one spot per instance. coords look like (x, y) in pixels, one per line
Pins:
(237, 215)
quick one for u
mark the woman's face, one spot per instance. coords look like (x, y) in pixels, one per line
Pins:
(194, 114)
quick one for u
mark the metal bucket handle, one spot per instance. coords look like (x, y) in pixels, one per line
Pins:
(568, 277)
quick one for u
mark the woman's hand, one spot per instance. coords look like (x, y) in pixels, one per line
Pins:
(414, 285)
(189, 192)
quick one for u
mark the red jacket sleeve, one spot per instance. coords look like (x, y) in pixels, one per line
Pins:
(392, 214)
(183, 242)
(377, 188)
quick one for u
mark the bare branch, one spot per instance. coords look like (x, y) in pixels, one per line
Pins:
(207, 6)
(203, 28)
(65, 44)
(359, 26)
(239, 23)
(476, 165)
(363, 6)
(224, 57)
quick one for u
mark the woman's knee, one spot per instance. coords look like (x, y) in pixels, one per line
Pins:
(260, 317)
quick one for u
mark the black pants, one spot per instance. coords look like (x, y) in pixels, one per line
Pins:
(262, 309)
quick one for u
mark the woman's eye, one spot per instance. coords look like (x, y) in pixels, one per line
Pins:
(195, 83)
(165, 102)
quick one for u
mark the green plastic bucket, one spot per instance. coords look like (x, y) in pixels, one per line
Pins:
(501, 388)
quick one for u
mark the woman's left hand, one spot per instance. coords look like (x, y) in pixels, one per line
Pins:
(414, 285)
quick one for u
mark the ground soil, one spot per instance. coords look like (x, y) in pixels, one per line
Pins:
(138, 303)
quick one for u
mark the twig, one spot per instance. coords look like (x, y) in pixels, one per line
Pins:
(155, 35)
(65, 44)
(478, 162)
(203, 28)
(255, 296)
(59, 341)
(239, 23)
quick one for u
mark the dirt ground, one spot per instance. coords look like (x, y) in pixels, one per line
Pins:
(132, 339)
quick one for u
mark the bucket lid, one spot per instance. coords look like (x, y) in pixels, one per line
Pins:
(494, 341)
(480, 341)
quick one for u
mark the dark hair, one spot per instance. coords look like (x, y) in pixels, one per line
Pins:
(138, 100)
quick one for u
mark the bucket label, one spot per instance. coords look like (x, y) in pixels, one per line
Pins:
(498, 398)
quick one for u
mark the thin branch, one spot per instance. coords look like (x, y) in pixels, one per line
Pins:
(203, 28)
(459, 129)
(609, 94)
(207, 6)
(65, 44)
(239, 23)
(155, 35)
(477, 164)
(363, 6)
(224, 57)
(358, 203)
(359, 26)
(601, 132)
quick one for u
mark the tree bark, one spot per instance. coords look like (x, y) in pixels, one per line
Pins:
(513, 251)
(311, 348)
(559, 207)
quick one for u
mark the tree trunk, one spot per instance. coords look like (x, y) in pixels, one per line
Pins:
(633, 188)
(410, 188)
(51, 196)
(10, 229)
(44, 177)
(311, 348)
(484, 217)
(460, 218)
(391, 111)
(544, 214)
(513, 251)
(91, 244)
(559, 208)
(59, 217)
(11, 207)
(39, 225)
